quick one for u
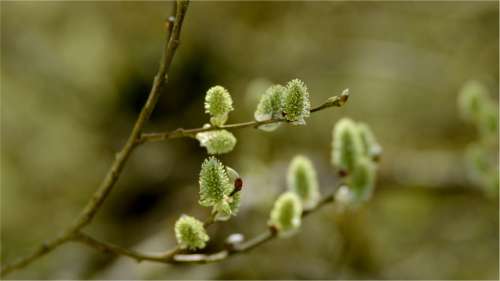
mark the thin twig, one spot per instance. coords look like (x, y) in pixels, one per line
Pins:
(174, 256)
(90, 210)
(337, 101)
(117, 250)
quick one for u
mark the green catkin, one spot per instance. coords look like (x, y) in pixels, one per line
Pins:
(190, 233)
(232, 174)
(227, 207)
(362, 181)
(286, 214)
(347, 146)
(302, 180)
(270, 107)
(471, 100)
(371, 148)
(478, 108)
(296, 104)
(218, 104)
(217, 142)
(488, 121)
(214, 183)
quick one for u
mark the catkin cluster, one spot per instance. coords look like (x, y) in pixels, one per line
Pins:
(477, 107)
(354, 153)
(286, 103)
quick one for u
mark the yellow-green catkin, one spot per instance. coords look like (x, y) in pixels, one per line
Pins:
(218, 103)
(190, 233)
(217, 142)
(303, 181)
(347, 145)
(286, 214)
(471, 100)
(296, 103)
(362, 181)
(214, 183)
(371, 148)
(270, 107)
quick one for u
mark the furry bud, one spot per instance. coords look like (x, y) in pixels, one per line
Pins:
(371, 148)
(296, 105)
(270, 107)
(217, 142)
(190, 233)
(347, 146)
(302, 180)
(471, 100)
(214, 183)
(363, 179)
(286, 214)
(218, 104)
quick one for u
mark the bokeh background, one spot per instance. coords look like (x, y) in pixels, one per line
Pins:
(74, 76)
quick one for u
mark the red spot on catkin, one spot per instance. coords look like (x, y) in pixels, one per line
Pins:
(238, 184)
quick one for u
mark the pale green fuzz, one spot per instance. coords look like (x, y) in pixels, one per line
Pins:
(286, 214)
(190, 233)
(471, 100)
(230, 204)
(344, 196)
(217, 142)
(227, 207)
(218, 104)
(488, 121)
(477, 107)
(477, 159)
(270, 107)
(296, 105)
(347, 145)
(214, 183)
(481, 168)
(362, 180)
(232, 174)
(371, 147)
(302, 180)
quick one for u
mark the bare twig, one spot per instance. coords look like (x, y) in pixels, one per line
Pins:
(337, 101)
(85, 217)
(117, 250)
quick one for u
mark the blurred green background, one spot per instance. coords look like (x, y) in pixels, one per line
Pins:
(74, 76)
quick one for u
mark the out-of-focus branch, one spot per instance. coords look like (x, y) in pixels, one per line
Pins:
(174, 27)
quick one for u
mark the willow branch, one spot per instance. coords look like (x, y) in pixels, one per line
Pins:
(88, 213)
(248, 245)
(174, 255)
(106, 247)
(335, 101)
